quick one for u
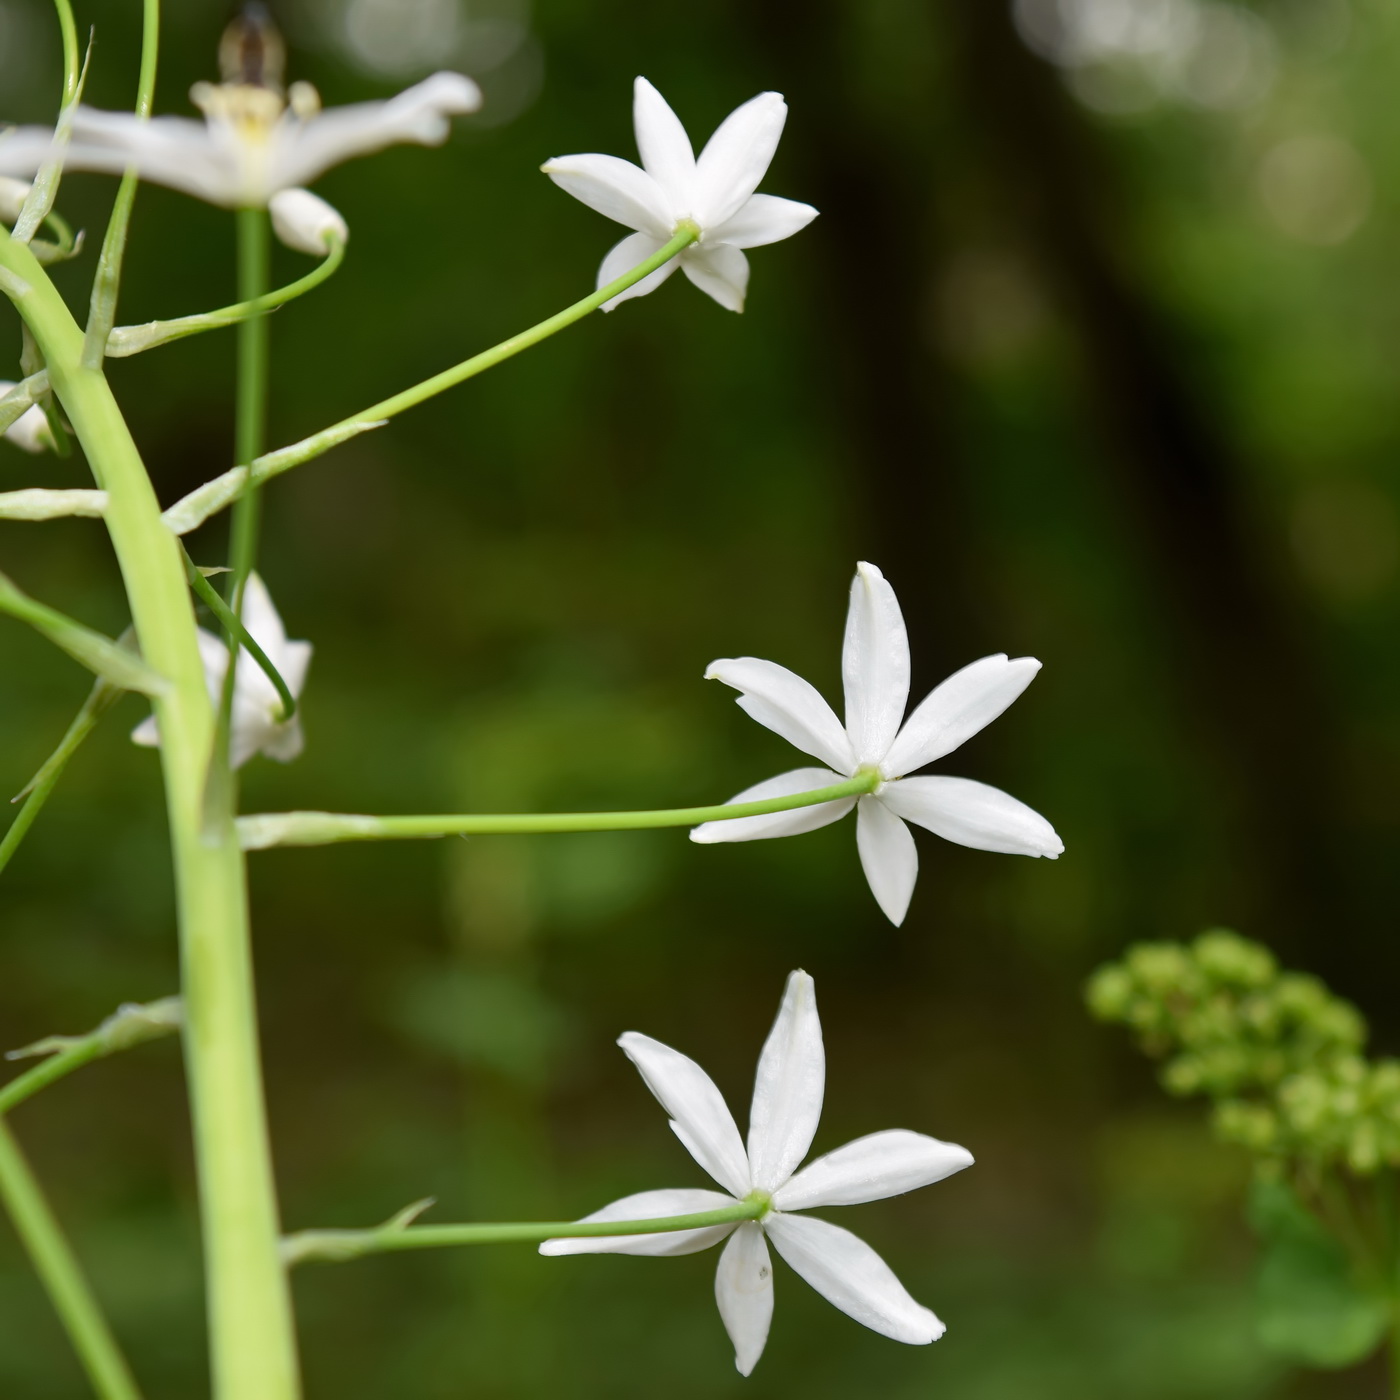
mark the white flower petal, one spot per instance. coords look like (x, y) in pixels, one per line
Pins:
(700, 1117)
(789, 706)
(146, 734)
(888, 857)
(736, 158)
(721, 272)
(305, 222)
(663, 145)
(852, 1277)
(623, 257)
(874, 665)
(285, 742)
(617, 189)
(302, 150)
(173, 151)
(788, 1088)
(261, 618)
(651, 1205)
(744, 1293)
(973, 814)
(871, 1168)
(954, 711)
(764, 218)
(30, 432)
(295, 658)
(793, 823)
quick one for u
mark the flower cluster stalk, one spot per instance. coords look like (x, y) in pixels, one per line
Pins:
(253, 1347)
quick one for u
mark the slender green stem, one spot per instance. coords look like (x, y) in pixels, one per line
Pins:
(323, 828)
(71, 67)
(194, 509)
(238, 633)
(62, 1276)
(253, 1346)
(129, 1025)
(100, 699)
(339, 1245)
(132, 340)
(106, 285)
(99, 654)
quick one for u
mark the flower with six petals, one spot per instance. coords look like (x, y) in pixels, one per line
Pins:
(257, 725)
(672, 187)
(787, 1102)
(875, 669)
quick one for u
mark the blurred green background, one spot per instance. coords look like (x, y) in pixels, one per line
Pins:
(1093, 350)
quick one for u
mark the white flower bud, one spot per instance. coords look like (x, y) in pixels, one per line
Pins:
(30, 430)
(305, 221)
(13, 193)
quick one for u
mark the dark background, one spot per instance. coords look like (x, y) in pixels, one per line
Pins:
(1093, 350)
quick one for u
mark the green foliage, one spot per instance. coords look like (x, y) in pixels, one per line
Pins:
(1312, 1302)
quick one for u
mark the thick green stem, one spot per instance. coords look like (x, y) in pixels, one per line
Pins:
(252, 1342)
(62, 1275)
(338, 1245)
(323, 828)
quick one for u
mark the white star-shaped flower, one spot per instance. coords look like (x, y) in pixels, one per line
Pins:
(252, 143)
(30, 431)
(257, 725)
(875, 669)
(787, 1102)
(672, 187)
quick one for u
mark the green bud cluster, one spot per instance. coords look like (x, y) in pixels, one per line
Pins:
(1280, 1057)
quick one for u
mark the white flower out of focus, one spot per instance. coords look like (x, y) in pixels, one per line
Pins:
(254, 140)
(875, 669)
(305, 222)
(672, 187)
(13, 193)
(30, 431)
(787, 1103)
(257, 725)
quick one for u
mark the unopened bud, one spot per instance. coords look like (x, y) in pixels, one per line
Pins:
(305, 221)
(13, 193)
(30, 430)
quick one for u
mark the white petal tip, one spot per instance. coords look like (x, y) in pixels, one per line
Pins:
(744, 1369)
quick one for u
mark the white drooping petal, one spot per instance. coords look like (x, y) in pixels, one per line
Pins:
(720, 271)
(665, 149)
(736, 158)
(874, 665)
(260, 616)
(305, 222)
(146, 734)
(888, 856)
(788, 705)
(617, 189)
(744, 1293)
(419, 115)
(13, 193)
(296, 657)
(871, 1168)
(30, 432)
(623, 257)
(788, 1088)
(973, 814)
(651, 1205)
(699, 1115)
(954, 711)
(763, 219)
(285, 742)
(851, 1276)
(175, 151)
(793, 823)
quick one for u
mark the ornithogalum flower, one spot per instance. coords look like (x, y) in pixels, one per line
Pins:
(875, 669)
(253, 142)
(257, 725)
(672, 188)
(787, 1102)
(30, 430)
